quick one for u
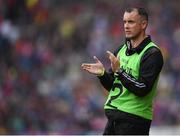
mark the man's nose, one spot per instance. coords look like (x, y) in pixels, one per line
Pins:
(126, 25)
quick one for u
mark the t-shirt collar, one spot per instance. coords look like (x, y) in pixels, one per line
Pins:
(139, 48)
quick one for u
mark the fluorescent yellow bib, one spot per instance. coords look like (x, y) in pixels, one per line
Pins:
(122, 99)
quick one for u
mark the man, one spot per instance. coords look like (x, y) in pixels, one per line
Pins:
(132, 79)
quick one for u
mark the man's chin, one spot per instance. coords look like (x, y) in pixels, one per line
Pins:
(128, 37)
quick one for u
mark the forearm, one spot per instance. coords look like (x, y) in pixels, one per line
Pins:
(106, 80)
(138, 87)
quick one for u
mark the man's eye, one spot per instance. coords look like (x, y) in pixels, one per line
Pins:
(130, 22)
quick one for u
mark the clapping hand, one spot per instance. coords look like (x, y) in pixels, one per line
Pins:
(98, 69)
(94, 68)
(115, 64)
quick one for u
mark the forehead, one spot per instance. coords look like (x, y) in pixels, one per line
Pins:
(131, 15)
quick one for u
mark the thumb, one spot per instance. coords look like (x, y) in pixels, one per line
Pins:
(96, 59)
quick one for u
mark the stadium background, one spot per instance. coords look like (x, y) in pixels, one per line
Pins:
(42, 45)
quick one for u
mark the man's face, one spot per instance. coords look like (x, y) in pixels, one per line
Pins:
(133, 25)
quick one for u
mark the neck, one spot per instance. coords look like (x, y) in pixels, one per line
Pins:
(136, 41)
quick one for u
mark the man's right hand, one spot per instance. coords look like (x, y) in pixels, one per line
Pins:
(94, 68)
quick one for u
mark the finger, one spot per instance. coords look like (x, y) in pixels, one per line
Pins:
(96, 59)
(86, 68)
(110, 55)
(88, 64)
(84, 65)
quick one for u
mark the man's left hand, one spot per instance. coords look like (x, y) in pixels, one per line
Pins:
(115, 64)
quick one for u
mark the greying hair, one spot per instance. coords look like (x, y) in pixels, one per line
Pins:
(141, 11)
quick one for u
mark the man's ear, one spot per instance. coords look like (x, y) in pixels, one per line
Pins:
(144, 24)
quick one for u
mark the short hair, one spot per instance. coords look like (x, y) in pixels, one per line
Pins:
(141, 11)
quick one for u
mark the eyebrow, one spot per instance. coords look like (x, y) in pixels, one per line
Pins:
(129, 20)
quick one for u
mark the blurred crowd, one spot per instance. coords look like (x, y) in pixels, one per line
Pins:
(43, 90)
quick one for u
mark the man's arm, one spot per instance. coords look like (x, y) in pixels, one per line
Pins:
(150, 67)
(107, 80)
